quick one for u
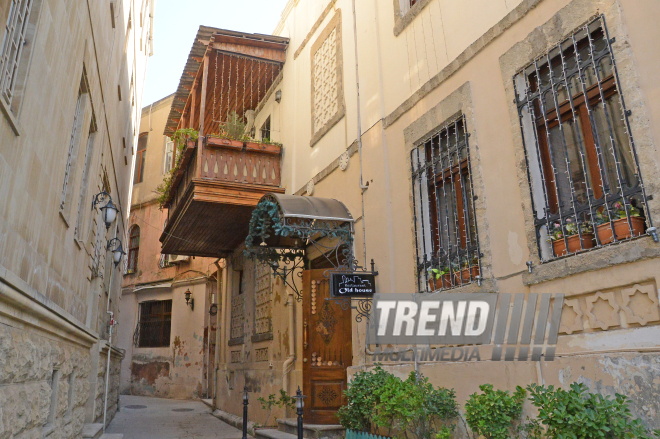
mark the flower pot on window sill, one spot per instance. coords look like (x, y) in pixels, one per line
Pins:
(621, 229)
(443, 281)
(573, 244)
(467, 274)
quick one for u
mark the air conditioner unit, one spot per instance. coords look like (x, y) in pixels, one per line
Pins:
(177, 259)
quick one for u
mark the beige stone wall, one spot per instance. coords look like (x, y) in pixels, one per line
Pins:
(418, 68)
(26, 370)
(56, 282)
(180, 370)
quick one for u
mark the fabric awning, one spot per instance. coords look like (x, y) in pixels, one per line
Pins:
(288, 221)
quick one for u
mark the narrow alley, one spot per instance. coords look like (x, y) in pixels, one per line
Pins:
(157, 418)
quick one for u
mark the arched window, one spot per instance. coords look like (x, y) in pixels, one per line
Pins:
(133, 249)
(140, 158)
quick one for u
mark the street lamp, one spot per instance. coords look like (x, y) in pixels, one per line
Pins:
(189, 300)
(114, 245)
(109, 210)
(300, 404)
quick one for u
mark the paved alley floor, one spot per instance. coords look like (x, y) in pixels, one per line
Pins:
(156, 418)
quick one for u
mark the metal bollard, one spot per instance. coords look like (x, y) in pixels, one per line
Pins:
(245, 411)
(300, 404)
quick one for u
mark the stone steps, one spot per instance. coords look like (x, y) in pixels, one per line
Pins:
(92, 431)
(112, 436)
(269, 433)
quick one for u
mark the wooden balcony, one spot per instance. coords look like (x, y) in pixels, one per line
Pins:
(219, 183)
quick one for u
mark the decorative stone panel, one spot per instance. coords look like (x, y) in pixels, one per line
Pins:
(263, 300)
(261, 354)
(235, 356)
(620, 307)
(327, 79)
(238, 309)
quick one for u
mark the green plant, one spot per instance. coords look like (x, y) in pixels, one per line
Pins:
(362, 399)
(234, 128)
(411, 409)
(494, 413)
(556, 231)
(578, 414)
(179, 138)
(284, 400)
(439, 272)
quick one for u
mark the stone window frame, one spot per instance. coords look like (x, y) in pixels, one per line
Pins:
(335, 23)
(404, 14)
(12, 109)
(538, 42)
(453, 105)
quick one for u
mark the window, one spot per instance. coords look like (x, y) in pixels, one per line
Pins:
(265, 130)
(74, 141)
(169, 153)
(138, 175)
(133, 249)
(446, 231)
(84, 182)
(586, 187)
(17, 43)
(155, 324)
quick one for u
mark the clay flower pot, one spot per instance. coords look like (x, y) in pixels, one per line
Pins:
(465, 274)
(573, 244)
(621, 229)
(443, 282)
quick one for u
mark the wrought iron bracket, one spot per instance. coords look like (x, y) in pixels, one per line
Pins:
(362, 305)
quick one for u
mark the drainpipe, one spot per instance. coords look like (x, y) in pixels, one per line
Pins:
(218, 293)
(288, 363)
(363, 187)
(107, 372)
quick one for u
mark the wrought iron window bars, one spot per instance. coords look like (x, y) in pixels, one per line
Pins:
(446, 240)
(583, 170)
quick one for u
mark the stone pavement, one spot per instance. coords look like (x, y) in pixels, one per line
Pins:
(168, 419)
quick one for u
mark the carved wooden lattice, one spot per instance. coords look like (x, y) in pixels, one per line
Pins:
(263, 303)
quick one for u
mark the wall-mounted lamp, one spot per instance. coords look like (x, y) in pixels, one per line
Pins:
(109, 210)
(189, 300)
(114, 245)
(278, 96)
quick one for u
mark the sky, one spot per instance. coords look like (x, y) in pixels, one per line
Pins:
(176, 23)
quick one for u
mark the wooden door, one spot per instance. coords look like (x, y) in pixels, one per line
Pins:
(327, 350)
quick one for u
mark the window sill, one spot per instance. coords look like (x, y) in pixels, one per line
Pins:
(401, 21)
(13, 122)
(262, 337)
(236, 341)
(610, 255)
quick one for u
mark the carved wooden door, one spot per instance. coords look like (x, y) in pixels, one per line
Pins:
(327, 350)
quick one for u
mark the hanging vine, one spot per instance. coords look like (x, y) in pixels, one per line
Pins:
(180, 139)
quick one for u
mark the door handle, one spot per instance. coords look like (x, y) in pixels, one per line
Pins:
(305, 343)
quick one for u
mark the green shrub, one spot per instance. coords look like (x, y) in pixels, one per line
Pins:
(494, 413)
(412, 409)
(284, 400)
(578, 414)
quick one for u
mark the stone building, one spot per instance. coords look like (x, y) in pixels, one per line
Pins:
(71, 80)
(508, 144)
(165, 335)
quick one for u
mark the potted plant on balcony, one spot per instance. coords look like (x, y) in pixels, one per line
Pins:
(469, 269)
(619, 218)
(572, 231)
(439, 278)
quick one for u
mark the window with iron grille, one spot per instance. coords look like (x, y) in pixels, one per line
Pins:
(74, 142)
(133, 249)
(446, 238)
(587, 190)
(155, 324)
(169, 153)
(12, 47)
